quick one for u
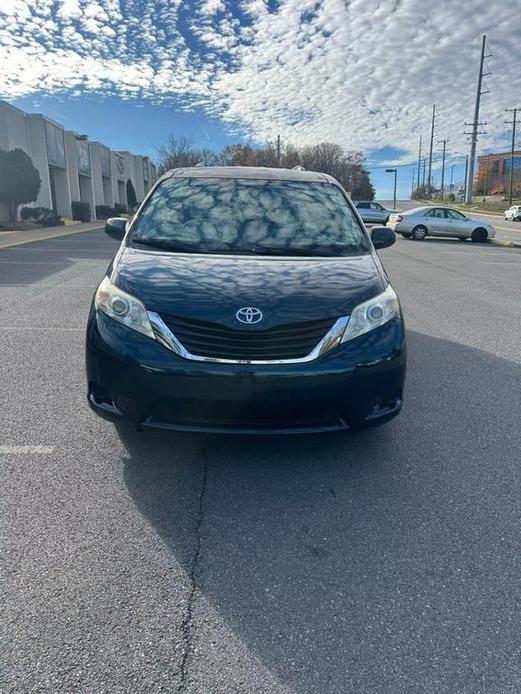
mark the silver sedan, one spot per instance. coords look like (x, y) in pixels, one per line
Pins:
(439, 221)
(372, 212)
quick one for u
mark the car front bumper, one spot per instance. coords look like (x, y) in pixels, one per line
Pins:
(133, 378)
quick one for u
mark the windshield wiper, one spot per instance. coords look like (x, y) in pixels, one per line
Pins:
(288, 252)
(166, 245)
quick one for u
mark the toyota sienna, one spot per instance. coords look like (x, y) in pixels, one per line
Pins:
(246, 300)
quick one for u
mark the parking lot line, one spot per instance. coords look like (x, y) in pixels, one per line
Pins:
(7, 449)
(51, 236)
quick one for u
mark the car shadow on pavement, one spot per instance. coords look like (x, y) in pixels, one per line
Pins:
(31, 263)
(379, 562)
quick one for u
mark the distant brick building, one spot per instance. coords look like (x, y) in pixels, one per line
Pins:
(494, 173)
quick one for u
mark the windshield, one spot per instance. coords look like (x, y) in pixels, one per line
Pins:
(250, 216)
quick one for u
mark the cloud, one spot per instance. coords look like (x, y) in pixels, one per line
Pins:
(364, 73)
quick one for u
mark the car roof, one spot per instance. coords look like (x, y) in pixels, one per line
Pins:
(420, 209)
(252, 172)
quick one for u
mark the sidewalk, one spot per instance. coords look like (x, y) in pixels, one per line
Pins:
(17, 238)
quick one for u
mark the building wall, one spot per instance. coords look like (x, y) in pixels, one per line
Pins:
(38, 154)
(494, 173)
(72, 166)
(120, 171)
(13, 129)
(14, 134)
(41, 138)
(79, 170)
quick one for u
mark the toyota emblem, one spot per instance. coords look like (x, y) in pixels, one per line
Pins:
(249, 315)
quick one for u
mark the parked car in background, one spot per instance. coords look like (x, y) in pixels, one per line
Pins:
(372, 212)
(440, 221)
(513, 214)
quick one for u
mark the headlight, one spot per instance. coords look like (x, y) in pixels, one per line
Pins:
(123, 307)
(371, 314)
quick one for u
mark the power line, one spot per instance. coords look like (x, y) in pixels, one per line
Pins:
(456, 157)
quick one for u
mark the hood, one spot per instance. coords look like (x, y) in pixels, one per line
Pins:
(212, 288)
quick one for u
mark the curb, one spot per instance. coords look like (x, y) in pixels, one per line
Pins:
(504, 242)
(469, 210)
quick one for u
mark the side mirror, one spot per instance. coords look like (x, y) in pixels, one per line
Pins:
(116, 228)
(382, 237)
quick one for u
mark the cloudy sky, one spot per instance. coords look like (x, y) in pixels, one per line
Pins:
(363, 73)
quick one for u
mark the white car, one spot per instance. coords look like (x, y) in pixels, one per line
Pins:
(513, 214)
(421, 222)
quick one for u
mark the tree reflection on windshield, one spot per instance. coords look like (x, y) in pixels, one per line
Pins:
(211, 215)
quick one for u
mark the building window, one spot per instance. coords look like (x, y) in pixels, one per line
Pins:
(507, 162)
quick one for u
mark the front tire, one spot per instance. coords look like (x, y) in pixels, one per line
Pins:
(479, 235)
(419, 232)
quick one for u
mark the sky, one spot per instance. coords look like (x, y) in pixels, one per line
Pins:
(362, 73)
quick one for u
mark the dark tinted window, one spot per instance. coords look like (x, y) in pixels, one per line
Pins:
(452, 214)
(436, 212)
(213, 215)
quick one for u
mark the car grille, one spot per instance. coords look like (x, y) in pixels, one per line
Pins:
(291, 341)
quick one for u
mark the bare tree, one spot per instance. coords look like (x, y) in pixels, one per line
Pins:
(347, 167)
(179, 152)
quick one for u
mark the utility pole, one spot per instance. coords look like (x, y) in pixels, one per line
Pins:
(419, 161)
(476, 123)
(444, 143)
(465, 178)
(513, 123)
(423, 179)
(278, 150)
(429, 178)
(412, 184)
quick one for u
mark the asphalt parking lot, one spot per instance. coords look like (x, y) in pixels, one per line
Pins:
(383, 562)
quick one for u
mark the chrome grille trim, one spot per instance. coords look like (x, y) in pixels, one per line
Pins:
(167, 338)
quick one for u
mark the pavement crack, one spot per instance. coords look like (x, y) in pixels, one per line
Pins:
(186, 625)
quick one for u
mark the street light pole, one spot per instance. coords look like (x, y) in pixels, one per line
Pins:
(419, 162)
(395, 172)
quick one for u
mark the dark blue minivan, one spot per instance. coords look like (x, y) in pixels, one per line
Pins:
(246, 300)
